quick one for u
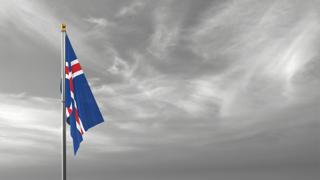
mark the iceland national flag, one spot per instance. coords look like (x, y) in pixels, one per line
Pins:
(82, 111)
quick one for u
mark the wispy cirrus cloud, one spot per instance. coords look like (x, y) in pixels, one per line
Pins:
(98, 21)
(130, 9)
(198, 85)
(29, 124)
(31, 17)
(165, 34)
(31, 129)
(254, 52)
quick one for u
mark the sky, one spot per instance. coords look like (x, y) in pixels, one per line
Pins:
(206, 89)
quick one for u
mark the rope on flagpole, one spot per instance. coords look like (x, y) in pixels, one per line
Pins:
(63, 98)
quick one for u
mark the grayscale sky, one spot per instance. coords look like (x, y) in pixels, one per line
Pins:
(189, 89)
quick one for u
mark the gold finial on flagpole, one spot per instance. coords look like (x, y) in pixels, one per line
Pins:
(63, 27)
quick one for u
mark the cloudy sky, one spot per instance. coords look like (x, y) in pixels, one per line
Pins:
(189, 89)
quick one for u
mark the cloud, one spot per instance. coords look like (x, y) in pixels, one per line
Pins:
(28, 124)
(183, 86)
(31, 129)
(119, 66)
(130, 9)
(250, 48)
(31, 17)
(100, 22)
(165, 33)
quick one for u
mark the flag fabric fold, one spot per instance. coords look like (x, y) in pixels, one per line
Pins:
(82, 112)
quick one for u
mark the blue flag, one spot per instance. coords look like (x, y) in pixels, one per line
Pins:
(82, 111)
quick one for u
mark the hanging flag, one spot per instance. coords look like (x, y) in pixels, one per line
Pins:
(82, 111)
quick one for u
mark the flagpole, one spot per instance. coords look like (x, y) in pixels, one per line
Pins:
(63, 98)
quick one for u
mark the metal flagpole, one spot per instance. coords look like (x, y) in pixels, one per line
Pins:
(63, 98)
